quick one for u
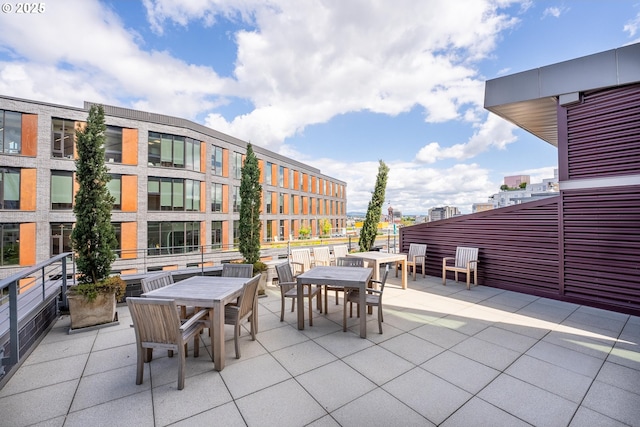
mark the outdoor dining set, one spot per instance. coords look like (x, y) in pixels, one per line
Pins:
(169, 315)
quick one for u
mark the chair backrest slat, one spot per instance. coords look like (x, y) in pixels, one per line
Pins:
(416, 249)
(284, 273)
(464, 255)
(340, 251)
(237, 270)
(155, 320)
(302, 256)
(322, 255)
(248, 297)
(349, 262)
(156, 281)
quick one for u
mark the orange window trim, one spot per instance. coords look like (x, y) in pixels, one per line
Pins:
(30, 134)
(27, 243)
(28, 189)
(129, 243)
(130, 146)
(129, 193)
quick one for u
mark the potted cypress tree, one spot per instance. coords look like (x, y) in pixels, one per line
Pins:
(250, 224)
(93, 300)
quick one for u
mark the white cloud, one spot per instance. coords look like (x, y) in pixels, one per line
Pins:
(632, 26)
(554, 11)
(495, 132)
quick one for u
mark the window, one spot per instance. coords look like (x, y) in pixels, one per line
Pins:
(9, 188)
(61, 190)
(216, 235)
(235, 199)
(236, 165)
(173, 151)
(281, 203)
(270, 224)
(173, 194)
(60, 237)
(9, 244)
(267, 199)
(216, 161)
(172, 237)
(216, 197)
(113, 144)
(115, 188)
(236, 233)
(291, 172)
(267, 173)
(10, 132)
(62, 138)
(281, 176)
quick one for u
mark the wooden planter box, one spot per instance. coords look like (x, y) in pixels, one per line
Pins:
(84, 313)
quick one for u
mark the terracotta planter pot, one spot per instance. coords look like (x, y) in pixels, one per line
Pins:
(86, 313)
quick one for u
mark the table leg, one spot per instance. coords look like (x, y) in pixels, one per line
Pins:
(300, 290)
(361, 309)
(217, 340)
(404, 274)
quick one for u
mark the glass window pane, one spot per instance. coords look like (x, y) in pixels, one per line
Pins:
(113, 144)
(196, 155)
(167, 150)
(178, 195)
(12, 132)
(154, 149)
(165, 195)
(9, 244)
(61, 190)
(114, 186)
(189, 152)
(189, 195)
(178, 152)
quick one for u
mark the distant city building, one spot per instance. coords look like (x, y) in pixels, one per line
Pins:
(436, 214)
(481, 207)
(547, 188)
(515, 180)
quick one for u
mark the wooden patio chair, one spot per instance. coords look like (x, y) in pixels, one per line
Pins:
(417, 255)
(157, 325)
(349, 262)
(237, 270)
(465, 261)
(161, 280)
(288, 289)
(156, 281)
(340, 251)
(245, 308)
(300, 261)
(321, 256)
(373, 298)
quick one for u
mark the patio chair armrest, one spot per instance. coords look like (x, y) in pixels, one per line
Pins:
(419, 257)
(193, 319)
(372, 291)
(287, 283)
(446, 259)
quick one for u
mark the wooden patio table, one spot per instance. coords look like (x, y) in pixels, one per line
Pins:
(348, 277)
(379, 258)
(211, 292)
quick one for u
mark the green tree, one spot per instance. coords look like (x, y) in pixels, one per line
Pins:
(504, 187)
(93, 238)
(325, 226)
(370, 226)
(250, 201)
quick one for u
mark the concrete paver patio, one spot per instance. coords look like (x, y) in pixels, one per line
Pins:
(448, 357)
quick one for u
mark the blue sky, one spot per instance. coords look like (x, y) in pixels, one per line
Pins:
(337, 84)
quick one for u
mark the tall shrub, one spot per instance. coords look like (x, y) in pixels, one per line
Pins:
(370, 226)
(93, 238)
(250, 201)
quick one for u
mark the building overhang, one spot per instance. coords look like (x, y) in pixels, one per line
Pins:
(530, 99)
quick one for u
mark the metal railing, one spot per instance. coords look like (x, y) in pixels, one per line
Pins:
(23, 292)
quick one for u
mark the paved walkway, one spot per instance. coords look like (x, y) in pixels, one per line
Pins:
(448, 357)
